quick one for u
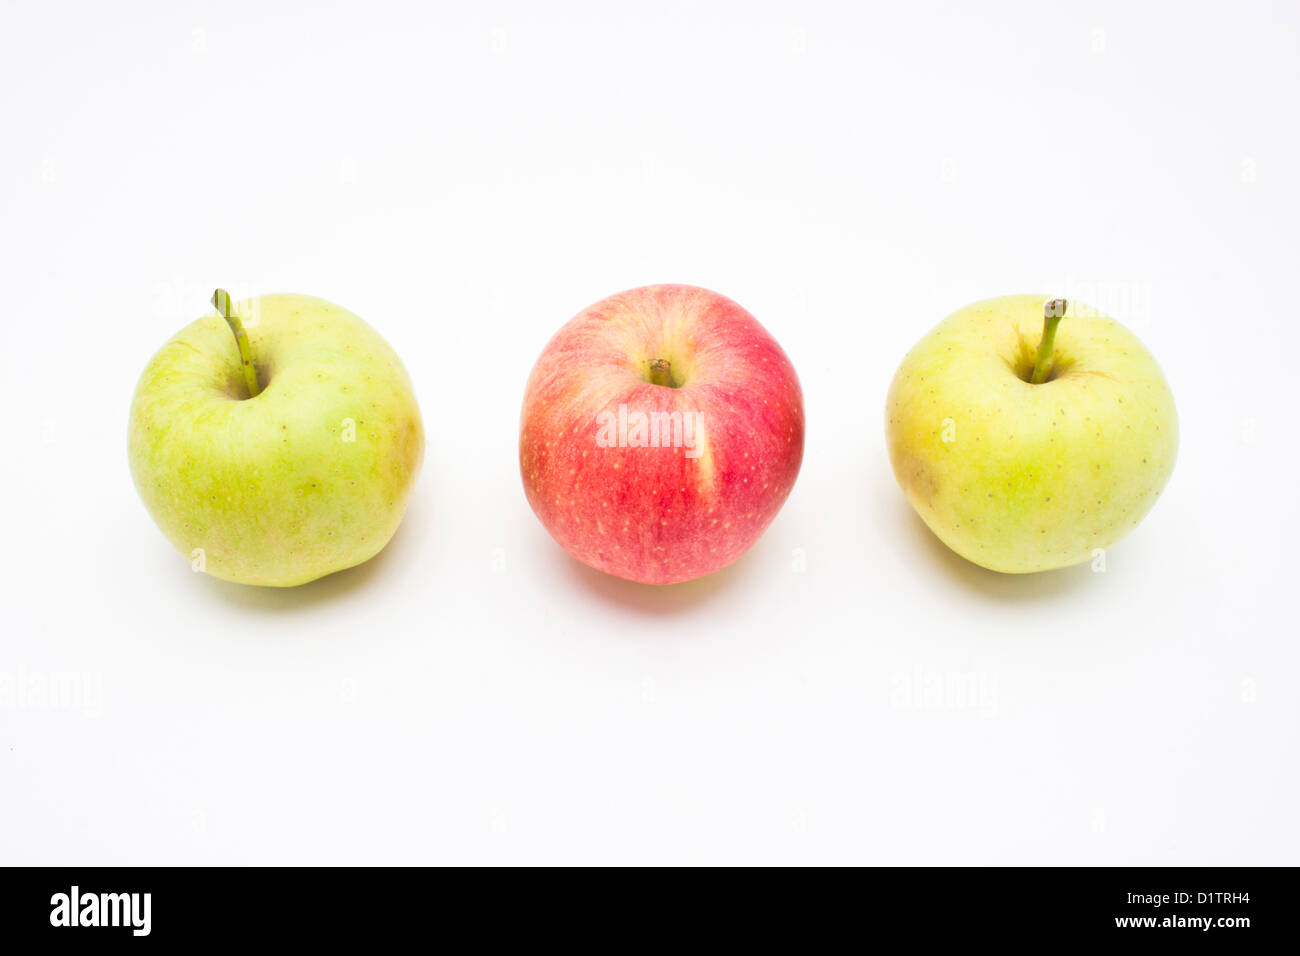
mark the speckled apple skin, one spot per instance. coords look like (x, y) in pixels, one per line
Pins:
(1018, 477)
(655, 514)
(268, 487)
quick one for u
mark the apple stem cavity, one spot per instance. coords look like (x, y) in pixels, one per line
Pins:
(1053, 312)
(661, 373)
(221, 300)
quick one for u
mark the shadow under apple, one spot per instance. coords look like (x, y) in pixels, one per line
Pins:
(656, 599)
(1041, 585)
(332, 587)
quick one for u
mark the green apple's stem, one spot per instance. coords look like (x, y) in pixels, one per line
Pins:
(661, 372)
(221, 299)
(1053, 312)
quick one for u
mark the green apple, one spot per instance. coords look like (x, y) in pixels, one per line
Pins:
(283, 453)
(1025, 448)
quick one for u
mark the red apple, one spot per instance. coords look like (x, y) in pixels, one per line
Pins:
(662, 431)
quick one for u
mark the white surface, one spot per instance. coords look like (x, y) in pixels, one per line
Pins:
(467, 180)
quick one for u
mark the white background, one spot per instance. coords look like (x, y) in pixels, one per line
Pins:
(466, 179)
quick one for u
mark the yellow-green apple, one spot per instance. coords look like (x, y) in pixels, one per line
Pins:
(283, 453)
(1025, 447)
(662, 430)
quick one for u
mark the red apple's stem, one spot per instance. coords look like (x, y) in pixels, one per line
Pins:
(1053, 312)
(221, 299)
(661, 373)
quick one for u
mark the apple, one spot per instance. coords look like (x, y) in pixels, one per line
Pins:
(662, 430)
(282, 454)
(1025, 447)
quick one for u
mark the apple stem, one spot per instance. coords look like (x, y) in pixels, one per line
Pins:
(661, 373)
(1053, 312)
(221, 299)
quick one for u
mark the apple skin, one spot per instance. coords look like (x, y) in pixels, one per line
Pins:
(1031, 477)
(661, 515)
(270, 488)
